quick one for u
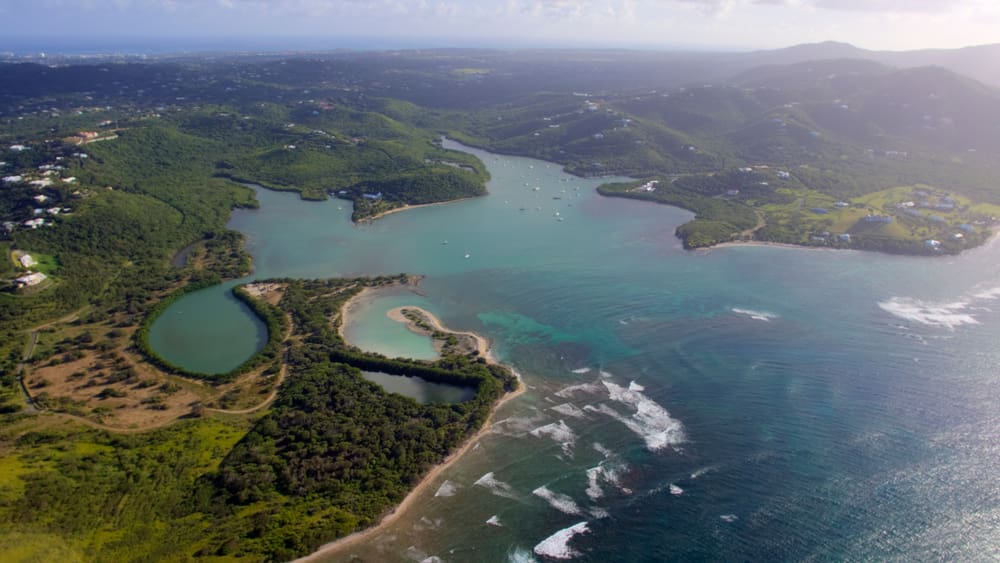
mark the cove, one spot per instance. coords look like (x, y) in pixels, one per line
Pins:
(288, 237)
(739, 403)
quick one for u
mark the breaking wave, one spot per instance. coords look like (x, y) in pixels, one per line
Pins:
(586, 388)
(559, 432)
(582, 370)
(650, 421)
(516, 425)
(699, 472)
(557, 546)
(947, 315)
(606, 472)
(570, 410)
(562, 503)
(447, 489)
(602, 449)
(496, 486)
(520, 555)
(755, 315)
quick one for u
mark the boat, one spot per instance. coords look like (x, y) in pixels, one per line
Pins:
(467, 255)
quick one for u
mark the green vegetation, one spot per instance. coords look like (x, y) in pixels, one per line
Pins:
(333, 454)
(854, 155)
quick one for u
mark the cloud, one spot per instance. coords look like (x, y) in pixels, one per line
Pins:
(896, 6)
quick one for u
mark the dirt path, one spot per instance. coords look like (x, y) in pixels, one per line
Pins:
(29, 350)
(761, 223)
(263, 404)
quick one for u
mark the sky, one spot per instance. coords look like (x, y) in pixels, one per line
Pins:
(325, 24)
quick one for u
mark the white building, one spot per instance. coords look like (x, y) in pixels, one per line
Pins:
(30, 279)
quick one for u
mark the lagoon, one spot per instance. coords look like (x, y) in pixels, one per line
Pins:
(738, 403)
(420, 390)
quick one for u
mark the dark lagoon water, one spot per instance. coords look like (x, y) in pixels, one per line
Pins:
(420, 390)
(751, 403)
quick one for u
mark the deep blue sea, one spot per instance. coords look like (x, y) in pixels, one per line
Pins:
(742, 403)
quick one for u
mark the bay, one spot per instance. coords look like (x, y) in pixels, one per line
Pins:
(738, 403)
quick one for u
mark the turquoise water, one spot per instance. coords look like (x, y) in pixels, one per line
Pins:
(371, 329)
(742, 403)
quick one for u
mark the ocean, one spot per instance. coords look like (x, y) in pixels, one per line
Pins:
(740, 403)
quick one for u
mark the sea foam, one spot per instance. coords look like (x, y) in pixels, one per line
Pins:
(556, 546)
(650, 421)
(495, 486)
(562, 503)
(559, 432)
(947, 315)
(699, 472)
(585, 388)
(606, 472)
(755, 315)
(582, 370)
(447, 489)
(520, 555)
(570, 410)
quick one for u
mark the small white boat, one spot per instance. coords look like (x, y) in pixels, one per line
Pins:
(467, 255)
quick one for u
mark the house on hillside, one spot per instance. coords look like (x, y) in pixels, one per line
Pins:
(26, 261)
(30, 279)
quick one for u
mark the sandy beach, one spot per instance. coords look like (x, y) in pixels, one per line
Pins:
(408, 207)
(351, 308)
(483, 346)
(340, 546)
(737, 243)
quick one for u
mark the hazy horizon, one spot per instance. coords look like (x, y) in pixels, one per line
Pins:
(158, 26)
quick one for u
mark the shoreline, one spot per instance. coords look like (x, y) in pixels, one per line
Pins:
(407, 207)
(994, 236)
(432, 475)
(738, 243)
(483, 345)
